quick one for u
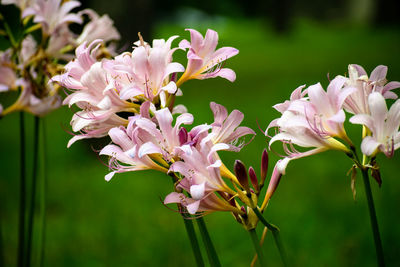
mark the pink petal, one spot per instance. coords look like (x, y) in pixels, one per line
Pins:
(149, 148)
(196, 39)
(197, 191)
(220, 113)
(210, 43)
(223, 54)
(193, 207)
(319, 98)
(174, 197)
(369, 145)
(378, 73)
(119, 137)
(363, 119)
(173, 68)
(226, 73)
(109, 176)
(184, 44)
(359, 69)
(130, 92)
(378, 108)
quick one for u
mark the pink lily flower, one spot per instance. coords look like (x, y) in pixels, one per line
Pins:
(53, 14)
(203, 60)
(98, 28)
(383, 124)
(28, 102)
(357, 102)
(85, 57)
(202, 179)
(159, 137)
(225, 129)
(312, 122)
(123, 153)
(8, 77)
(325, 111)
(92, 92)
(209, 202)
(148, 140)
(297, 94)
(145, 72)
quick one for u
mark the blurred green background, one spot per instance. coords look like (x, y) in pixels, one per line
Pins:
(283, 44)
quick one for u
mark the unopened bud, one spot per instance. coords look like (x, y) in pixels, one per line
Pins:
(241, 175)
(264, 166)
(274, 182)
(253, 179)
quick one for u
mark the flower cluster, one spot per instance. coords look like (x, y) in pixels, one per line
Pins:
(131, 98)
(191, 157)
(39, 53)
(103, 89)
(314, 118)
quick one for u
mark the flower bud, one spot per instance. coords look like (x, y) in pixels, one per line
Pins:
(253, 179)
(241, 175)
(274, 182)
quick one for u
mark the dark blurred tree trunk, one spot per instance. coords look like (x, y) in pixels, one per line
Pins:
(387, 12)
(280, 11)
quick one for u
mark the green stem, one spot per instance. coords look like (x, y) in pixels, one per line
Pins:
(193, 240)
(10, 34)
(211, 252)
(190, 232)
(275, 232)
(374, 221)
(43, 196)
(257, 247)
(22, 194)
(33, 189)
(2, 263)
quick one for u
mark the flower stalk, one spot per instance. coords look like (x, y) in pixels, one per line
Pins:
(33, 188)
(275, 232)
(193, 240)
(374, 221)
(211, 252)
(257, 246)
(22, 194)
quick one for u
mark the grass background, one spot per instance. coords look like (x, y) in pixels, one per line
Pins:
(123, 223)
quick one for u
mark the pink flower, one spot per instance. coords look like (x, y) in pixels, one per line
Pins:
(325, 111)
(204, 61)
(92, 92)
(146, 71)
(312, 121)
(8, 77)
(53, 14)
(27, 101)
(225, 129)
(59, 39)
(123, 153)
(357, 102)
(384, 126)
(98, 28)
(148, 140)
(159, 137)
(202, 179)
